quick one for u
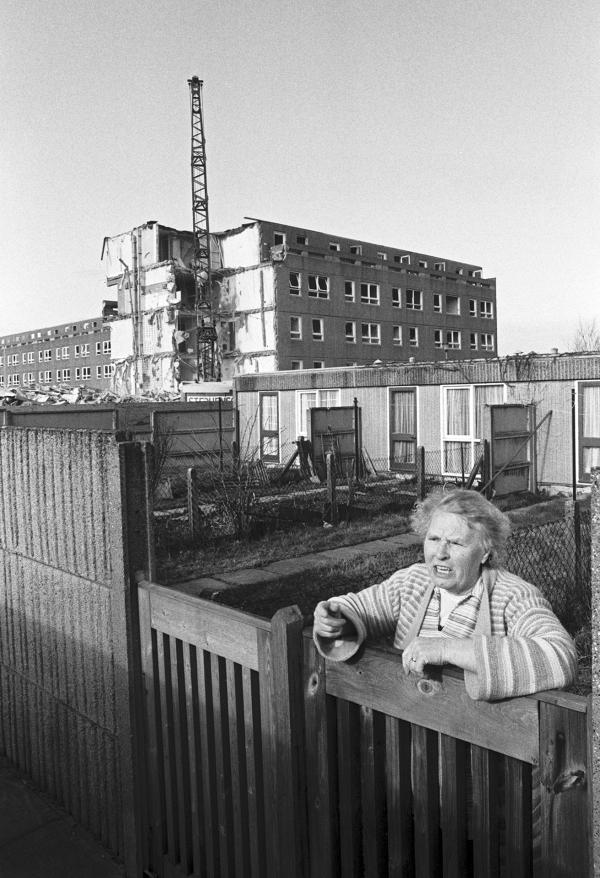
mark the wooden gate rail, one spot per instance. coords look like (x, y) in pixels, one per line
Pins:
(264, 759)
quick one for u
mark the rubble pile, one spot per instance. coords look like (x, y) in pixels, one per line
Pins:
(67, 395)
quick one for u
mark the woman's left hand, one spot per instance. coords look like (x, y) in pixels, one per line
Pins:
(438, 651)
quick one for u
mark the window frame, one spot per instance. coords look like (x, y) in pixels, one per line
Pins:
(411, 296)
(317, 292)
(367, 297)
(266, 433)
(367, 338)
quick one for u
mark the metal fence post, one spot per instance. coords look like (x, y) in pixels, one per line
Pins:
(421, 474)
(194, 516)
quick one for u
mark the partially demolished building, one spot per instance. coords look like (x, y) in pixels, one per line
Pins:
(283, 298)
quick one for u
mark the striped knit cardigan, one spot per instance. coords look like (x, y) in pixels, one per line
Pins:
(526, 649)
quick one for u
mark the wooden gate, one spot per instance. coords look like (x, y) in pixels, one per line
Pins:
(511, 428)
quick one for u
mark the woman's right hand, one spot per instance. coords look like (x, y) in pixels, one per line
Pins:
(328, 620)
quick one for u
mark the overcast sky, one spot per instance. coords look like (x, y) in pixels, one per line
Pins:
(467, 129)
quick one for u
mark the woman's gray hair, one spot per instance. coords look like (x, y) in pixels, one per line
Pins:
(493, 526)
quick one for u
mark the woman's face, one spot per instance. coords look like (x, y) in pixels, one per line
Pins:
(454, 552)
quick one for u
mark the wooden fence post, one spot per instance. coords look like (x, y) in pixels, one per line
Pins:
(332, 510)
(564, 778)
(282, 713)
(194, 516)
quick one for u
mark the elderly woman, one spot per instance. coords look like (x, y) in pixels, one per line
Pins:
(458, 608)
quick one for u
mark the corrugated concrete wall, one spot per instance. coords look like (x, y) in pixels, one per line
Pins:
(64, 654)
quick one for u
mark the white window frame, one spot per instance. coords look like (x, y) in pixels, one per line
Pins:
(295, 334)
(397, 335)
(413, 336)
(334, 246)
(470, 439)
(295, 289)
(437, 303)
(439, 266)
(422, 263)
(453, 300)
(107, 347)
(370, 333)
(318, 364)
(381, 254)
(350, 339)
(66, 374)
(349, 291)
(299, 365)
(472, 307)
(85, 350)
(413, 300)
(318, 398)
(396, 297)
(356, 249)
(108, 370)
(486, 309)
(98, 348)
(473, 345)
(487, 341)
(369, 294)
(317, 329)
(318, 286)
(453, 339)
(438, 338)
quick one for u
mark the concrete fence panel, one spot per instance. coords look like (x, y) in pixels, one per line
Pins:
(69, 502)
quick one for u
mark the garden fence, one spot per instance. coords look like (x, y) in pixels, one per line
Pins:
(264, 759)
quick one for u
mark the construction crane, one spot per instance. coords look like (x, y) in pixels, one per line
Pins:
(205, 332)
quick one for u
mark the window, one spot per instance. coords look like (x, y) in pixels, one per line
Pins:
(15, 359)
(106, 347)
(86, 373)
(369, 294)
(413, 336)
(46, 377)
(349, 290)
(58, 353)
(317, 328)
(1, 380)
(2, 361)
(437, 303)
(77, 350)
(405, 260)
(453, 305)
(78, 374)
(302, 239)
(381, 255)
(356, 249)
(85, 350)
(422, 263)
(370, 333)
(397, 335)
(414, 300)
(487, 341)
(40, 356)
(269, 426)
(472, 307)
(66, 374)
(278, 238)
(462, 419)
(296, 328)
(318, 364)
(98, 347)
(310, 399)
(318, 286)
(439, 266)
(403, 428)
(473, 341)
(486, 310)
(28, 377)
(108, 370)
(59, 374)
(438, 340)
(296, 365)
(98, 371)
(294, 283)
(453, 339)
(24, 358)
(350, 331)
(396, 297)
(334, 246)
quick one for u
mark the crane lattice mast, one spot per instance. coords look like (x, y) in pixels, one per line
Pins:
(205, 327)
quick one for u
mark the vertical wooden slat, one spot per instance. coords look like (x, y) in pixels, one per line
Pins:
(564, 798)
(180, 753)
(222, 764)
(254, 769)
(373, 792)
(239, 788)
(349, 798)
(193, 749)
(426, 797)
(517, 846)
(485, 824)
(321, 775)
(207, 750)
(454, 761)
(166, 714)
(399, 798)
(268, 726)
